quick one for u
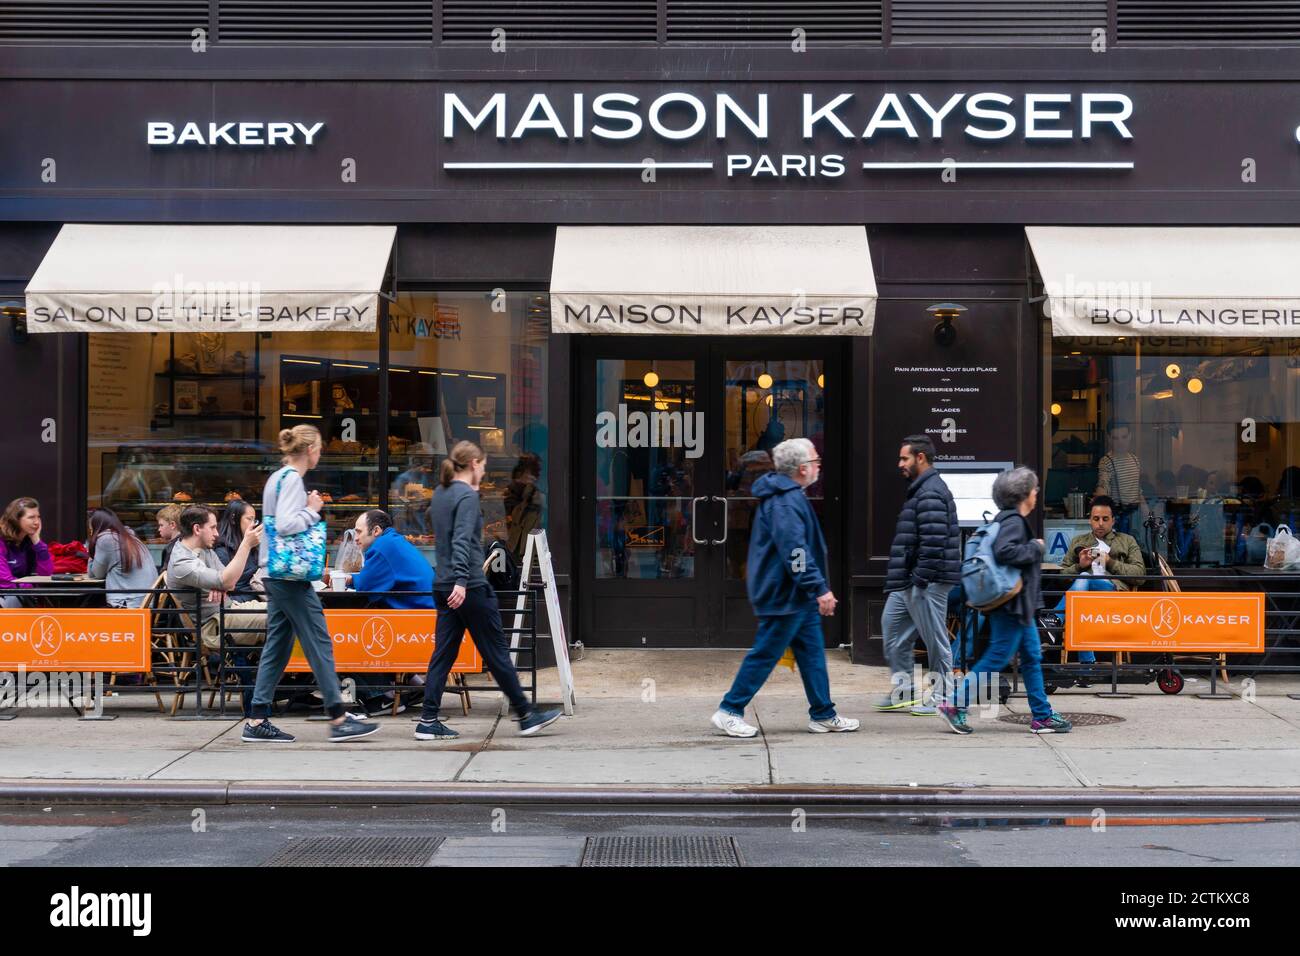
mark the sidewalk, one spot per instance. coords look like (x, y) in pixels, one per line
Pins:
(643, 720)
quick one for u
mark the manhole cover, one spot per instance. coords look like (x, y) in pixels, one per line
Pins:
(356, 851)
(1079, 720)
(660, 851)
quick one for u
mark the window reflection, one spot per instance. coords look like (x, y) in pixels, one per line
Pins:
(1193, 438)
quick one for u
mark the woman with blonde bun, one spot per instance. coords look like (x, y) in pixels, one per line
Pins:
(290, 514)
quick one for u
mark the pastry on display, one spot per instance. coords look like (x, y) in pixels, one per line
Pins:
(351, 499)
(326, 497)
(233, 496)
(181, 496)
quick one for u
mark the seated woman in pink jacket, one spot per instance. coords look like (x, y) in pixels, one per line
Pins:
(24, 551)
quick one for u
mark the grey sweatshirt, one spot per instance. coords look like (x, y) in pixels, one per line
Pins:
(458, 537)
(108, 565)
(288, 508)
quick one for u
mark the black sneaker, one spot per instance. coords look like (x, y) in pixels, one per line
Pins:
(535, 720)
(265, 732)
(351, 729)
(434, 730)
(380, 706)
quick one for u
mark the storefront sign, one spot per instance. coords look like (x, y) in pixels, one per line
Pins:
(836, 116)
(1221, 622)
(399, 642)
(205, 278)
(231, 134)
(60, 639)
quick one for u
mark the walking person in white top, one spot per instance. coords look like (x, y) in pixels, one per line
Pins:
(290, 513)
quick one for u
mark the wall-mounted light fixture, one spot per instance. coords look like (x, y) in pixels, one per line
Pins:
(945, 333)
(15, 311)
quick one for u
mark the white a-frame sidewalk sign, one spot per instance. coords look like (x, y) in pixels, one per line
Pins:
(539, 551)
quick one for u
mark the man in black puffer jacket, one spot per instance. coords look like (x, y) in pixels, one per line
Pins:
(924, 564)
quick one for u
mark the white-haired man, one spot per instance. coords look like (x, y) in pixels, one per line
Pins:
(786, 581)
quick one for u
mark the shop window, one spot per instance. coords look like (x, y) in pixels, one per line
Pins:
(1195, 439)
(469, 366)
(194, 417)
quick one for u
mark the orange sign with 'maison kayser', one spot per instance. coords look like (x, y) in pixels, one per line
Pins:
(1184, 621)
(398, 642)
(115, 640)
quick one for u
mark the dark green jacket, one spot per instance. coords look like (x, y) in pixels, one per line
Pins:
(1125, 557)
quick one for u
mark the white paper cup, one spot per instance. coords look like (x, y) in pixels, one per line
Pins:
(338, 582)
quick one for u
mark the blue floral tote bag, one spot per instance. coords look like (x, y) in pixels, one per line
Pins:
(294, 557)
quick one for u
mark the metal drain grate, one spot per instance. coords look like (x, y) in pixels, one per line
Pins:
(1079, 720)
(660, 851)
(356, 851)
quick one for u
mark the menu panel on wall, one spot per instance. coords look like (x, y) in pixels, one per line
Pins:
(965, 396)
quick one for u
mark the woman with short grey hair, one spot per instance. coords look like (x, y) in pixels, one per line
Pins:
(1012, 630)
(1012, 487)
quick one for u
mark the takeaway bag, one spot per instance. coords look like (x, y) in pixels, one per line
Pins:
(986, 583)
(350, 558)
(1283, 551)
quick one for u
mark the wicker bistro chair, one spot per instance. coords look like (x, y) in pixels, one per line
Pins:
(150, 604)
(168, 651)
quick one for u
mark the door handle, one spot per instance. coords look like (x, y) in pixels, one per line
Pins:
(726, 521)
(695, 513)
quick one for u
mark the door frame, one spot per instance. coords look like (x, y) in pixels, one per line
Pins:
(713, 591)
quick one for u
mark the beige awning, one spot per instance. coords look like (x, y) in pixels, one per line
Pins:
(1187, 281)
(166, 278)
(713, 280)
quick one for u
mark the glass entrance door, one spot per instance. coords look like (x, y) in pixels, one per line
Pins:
(673, 434)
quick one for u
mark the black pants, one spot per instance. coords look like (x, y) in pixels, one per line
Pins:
(481, 616)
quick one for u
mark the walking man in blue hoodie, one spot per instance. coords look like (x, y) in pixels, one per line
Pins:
(788, 590)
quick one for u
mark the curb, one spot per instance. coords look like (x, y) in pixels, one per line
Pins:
(191, 793)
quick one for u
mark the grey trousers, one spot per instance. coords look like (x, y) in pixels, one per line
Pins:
(907, 612)
(294, 606)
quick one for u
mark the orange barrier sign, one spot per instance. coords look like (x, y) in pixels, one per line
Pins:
(1218, 621)
(80, 639)
(389, 641)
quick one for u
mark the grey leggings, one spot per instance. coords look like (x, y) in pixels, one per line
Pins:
(294, 607)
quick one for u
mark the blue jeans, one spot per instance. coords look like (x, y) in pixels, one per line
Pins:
(1086, 582)
(1007, 638)
(802, 631)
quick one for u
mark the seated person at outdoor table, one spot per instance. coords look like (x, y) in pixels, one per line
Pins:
(24, 551)
(392, 564)
(169, 529)
(234, 523)
(119, 558)
(195, 564)
(1102, 558)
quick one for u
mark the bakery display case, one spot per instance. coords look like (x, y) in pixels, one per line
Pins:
(144, 477)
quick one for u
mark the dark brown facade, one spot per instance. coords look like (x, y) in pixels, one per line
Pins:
(1212, 139)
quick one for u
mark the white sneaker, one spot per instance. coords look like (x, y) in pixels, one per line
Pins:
(733, 726)
(836, 725)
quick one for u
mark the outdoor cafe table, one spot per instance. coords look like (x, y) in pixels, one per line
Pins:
(77, 581)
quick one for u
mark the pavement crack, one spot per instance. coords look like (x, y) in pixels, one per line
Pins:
(1070, 766)
(190, 752)
(487, 739)
(1174, 849)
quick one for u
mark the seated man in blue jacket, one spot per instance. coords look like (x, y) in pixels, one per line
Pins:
(392, 564)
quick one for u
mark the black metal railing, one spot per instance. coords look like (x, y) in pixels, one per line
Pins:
(182, 664)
